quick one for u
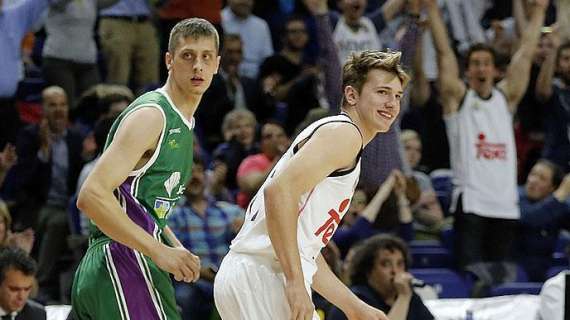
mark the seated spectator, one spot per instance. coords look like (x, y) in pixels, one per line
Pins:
(230, 90)
(23, 240)
(552, 297)
(427, 210)
(238, 129)
(387, 212)
(378, 276)
(17, 277)
(255, 168)
(205, 227)
(545, 211)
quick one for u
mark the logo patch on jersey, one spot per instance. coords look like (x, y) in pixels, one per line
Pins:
(172, 182)
(175, 130)
(173, 144)
(161, 207)
(328, 228)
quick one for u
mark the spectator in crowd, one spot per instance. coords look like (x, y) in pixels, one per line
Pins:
(43, 180)
(69, 51)
(427, 210)
(388, 211)
(556, 94)
(254, 32)
(479, 118)
(15, 21)
(553, 297)
(128, 43)
(254, 169)
(23, 240)
(205, 227)
(545, 211)
(17, 271)
(378, 276)
(8, 158)
(238, 129)
(230, 90)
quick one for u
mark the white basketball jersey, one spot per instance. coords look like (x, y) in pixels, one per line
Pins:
(320, 209)
(348, 41)
(483, 155)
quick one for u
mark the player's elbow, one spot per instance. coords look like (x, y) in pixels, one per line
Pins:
(87, 197)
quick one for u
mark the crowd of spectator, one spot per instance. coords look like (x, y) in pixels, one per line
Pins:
(488, 105)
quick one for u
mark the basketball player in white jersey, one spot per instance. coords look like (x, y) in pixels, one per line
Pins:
(479, 121)
(275, 259)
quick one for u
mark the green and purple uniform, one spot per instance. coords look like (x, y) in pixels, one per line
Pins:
(114, 281)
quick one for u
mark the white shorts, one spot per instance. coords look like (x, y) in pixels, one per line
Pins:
(251, 288)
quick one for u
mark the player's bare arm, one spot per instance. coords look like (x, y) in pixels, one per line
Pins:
(136, 138)
(518, 73)
(327, 284)
(332, 147)
(452, 87)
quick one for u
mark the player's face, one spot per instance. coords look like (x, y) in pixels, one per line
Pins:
(539, 182)
(15, 290)
(481, 70)
(388, 264)
(193, 64)
(379, 100)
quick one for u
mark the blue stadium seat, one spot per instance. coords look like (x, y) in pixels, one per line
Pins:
(552, 271)
(448, 238)
(512, 288)
(431, 258)
(446, 282)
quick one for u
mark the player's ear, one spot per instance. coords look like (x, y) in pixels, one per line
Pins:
(168, 60)
(351, 95)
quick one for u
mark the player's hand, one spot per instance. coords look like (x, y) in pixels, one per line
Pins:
(180, 262)
(301, 306)
(366, 312)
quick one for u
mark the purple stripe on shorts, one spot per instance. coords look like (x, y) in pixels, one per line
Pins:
(135, 290)
(135, 210)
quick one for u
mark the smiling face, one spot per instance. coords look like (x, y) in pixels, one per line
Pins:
(193, 64)
(378, 103)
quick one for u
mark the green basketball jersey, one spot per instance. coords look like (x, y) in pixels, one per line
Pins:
(151, 192)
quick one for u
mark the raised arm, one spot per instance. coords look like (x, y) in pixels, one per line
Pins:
(420, 90)
(543, 88)
(518, 73)
(311, 164)
(138, 134)
(328, 53)
(327, 284)
(452, 88)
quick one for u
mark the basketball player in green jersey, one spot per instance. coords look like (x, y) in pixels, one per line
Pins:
(138, 179)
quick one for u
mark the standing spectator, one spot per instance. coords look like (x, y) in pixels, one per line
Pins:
(378, 275)
(479, 117)
(254, 169)
(205, 227)
(544, 213)
(69, 52)
(556, 94)
(230, 90)
(129, 44)
(15, 21)
(254, 32)
(17, 271)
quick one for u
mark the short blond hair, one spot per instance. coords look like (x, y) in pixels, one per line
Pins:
(355, 70)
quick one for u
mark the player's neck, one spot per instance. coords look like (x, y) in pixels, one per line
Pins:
(367, 133)
(187, 104)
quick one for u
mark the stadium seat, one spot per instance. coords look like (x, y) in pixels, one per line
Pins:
(431, 258)
(446, 282)
(441, 179)
(512, 288)
(552, 271)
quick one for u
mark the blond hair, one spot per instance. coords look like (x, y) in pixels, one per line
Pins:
(355, 70)
(6, 218)
(409, 134)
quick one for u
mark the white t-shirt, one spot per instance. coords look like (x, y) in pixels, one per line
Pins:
(348, 41)
(552, 298)
(320, 210)
(483, 155)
